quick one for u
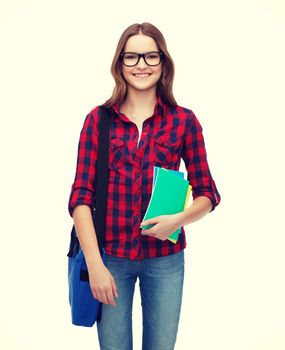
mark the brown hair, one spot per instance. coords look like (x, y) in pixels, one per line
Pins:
(164, 85)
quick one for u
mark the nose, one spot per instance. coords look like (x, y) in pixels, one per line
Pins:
(141, 63)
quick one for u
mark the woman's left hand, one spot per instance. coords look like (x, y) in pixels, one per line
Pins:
(164, 226)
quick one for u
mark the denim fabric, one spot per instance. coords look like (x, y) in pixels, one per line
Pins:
(161, 285)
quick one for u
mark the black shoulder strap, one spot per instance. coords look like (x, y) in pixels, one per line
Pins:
(102, 176)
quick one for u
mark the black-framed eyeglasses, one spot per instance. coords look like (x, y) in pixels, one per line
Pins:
(152, 58)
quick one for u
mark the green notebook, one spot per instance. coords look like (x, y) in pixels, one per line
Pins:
(170, 194)
(176, 172)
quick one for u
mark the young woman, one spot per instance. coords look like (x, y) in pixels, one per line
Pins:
(148, 128)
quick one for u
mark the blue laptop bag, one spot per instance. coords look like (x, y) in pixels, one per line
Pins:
(85, 309)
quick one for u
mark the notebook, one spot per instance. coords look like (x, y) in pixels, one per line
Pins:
(170, 194)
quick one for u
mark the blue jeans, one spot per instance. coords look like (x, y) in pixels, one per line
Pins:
(161, 285)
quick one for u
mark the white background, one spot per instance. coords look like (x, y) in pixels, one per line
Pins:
(55, 66)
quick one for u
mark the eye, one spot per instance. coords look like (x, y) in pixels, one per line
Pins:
(152, 56)
(130, 56)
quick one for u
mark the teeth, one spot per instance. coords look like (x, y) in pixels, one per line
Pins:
(141, 75)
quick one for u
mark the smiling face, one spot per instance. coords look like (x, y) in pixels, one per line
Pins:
(149, 75)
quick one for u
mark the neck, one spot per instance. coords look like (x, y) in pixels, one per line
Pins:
(138, 102)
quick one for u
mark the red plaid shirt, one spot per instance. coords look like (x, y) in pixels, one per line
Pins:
(170, 134)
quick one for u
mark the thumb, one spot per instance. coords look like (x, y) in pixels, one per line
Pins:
(149, 221)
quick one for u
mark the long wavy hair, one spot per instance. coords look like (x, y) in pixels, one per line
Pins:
(165, 83)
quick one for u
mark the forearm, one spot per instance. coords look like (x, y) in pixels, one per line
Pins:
(85, 230)
(200, 206)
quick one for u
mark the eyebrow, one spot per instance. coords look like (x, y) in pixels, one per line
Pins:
(140, 52)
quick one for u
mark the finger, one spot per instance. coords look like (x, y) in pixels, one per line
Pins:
(147, 232)
(94, 293)
(98, 296)
(114, 287)
(102, 296)
(110, 297)
(150, 221)
(105, 298)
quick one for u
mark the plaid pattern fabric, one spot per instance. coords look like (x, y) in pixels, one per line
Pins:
(169, 135)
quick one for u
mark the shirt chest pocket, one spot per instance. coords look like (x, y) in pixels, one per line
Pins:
(166, 150)
(117, 153)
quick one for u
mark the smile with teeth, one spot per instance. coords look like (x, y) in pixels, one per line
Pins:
(142, 75)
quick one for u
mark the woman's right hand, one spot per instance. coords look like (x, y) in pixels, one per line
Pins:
(102, 284)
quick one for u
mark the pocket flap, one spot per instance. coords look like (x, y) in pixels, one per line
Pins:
(115, 143)
(166, 141)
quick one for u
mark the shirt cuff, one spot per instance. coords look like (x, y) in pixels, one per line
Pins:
(77, 197)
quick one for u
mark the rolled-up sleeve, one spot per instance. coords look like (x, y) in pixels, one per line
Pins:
(82, 189)
(195, 159)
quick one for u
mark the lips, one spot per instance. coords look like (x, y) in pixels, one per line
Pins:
(142, 75)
